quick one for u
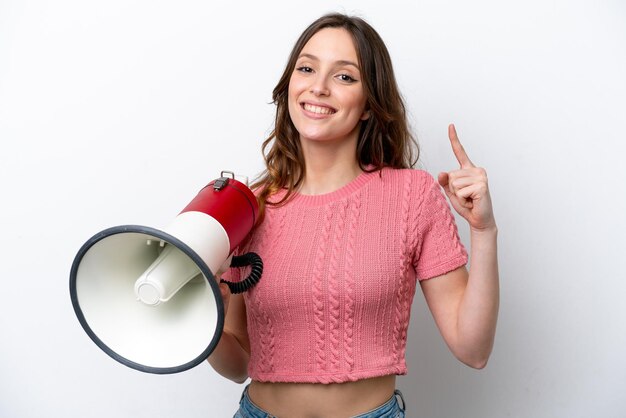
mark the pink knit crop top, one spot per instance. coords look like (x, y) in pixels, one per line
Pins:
(340, 273)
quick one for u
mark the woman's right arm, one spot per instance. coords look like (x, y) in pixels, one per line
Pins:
(232, 353)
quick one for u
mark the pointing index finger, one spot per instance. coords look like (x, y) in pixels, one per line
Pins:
(457, 148)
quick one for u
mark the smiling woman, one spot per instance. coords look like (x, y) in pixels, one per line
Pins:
(383, 140)
(326, 97)
(324, 332)
(326, 100)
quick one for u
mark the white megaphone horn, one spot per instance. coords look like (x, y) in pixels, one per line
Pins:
(148, 297)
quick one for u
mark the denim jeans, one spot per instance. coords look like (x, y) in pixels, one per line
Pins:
(390, 409)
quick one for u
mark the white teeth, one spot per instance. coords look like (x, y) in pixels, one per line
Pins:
(318, 109)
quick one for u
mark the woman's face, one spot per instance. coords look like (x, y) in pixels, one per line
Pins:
(326, 97)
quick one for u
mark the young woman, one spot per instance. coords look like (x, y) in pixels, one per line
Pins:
(348, 230)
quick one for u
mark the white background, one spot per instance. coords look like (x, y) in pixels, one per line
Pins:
(118, 112)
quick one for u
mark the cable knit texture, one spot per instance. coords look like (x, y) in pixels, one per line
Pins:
(340, 273)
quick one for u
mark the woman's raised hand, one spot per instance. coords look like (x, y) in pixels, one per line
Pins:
(467, 188)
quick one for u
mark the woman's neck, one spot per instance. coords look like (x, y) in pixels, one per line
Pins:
(326, 178)
(328, 167)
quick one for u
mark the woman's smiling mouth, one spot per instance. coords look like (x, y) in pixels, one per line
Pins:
(318, 110)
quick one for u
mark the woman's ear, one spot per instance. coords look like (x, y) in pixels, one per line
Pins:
(365, 115)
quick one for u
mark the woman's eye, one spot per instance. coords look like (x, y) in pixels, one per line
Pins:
(304, 69)
(346, 78)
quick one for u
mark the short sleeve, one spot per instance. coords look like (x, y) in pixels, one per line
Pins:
(439, 249)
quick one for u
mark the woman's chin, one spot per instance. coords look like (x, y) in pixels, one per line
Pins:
(315, 137)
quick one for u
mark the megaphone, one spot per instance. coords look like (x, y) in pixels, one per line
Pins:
(148, 297)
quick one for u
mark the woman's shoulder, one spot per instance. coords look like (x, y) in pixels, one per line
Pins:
(412, 175)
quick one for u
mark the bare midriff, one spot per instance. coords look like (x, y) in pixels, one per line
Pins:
(315, 400)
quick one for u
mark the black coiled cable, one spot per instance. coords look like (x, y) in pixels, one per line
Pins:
(248, 259)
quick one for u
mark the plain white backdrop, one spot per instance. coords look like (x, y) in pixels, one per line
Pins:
(118, 112)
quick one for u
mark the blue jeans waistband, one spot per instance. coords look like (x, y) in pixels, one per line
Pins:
(390, 409)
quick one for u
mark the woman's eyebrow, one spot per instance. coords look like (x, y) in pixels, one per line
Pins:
(338, 62)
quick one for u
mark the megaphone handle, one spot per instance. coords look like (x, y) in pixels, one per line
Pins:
(248, 259)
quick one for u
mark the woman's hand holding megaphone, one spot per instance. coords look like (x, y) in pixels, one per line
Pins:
(225, 294)
(224, 289)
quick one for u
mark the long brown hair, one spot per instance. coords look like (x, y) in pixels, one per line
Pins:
(385, 139)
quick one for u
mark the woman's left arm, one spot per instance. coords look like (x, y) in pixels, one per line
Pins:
(465, 305)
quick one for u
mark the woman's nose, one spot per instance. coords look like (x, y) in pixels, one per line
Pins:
(319, 87)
